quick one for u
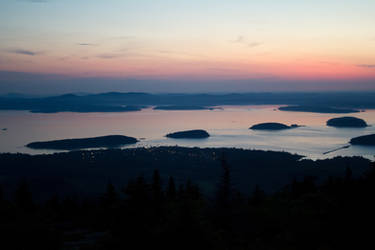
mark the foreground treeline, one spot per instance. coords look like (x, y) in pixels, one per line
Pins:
(156, 213)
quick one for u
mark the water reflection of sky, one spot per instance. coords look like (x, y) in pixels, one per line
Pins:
(228, 128)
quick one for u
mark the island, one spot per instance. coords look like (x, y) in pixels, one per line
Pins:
(347, 122)
(109, 141)
(318, 109)
(189, 134)
(365, 140)
(272, 126)
(182, 107)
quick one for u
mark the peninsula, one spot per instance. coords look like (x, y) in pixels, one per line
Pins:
(109, 141)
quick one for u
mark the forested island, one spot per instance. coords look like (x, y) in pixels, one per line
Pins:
(347, 121)
(272, 126)
(365, 140)
(189, 134)
(82, 143)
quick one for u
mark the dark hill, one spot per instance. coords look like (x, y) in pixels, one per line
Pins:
(347, 122)
(189, 134)
(94, 142)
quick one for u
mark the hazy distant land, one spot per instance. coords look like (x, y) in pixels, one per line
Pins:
(87, 109)
(185, 107)
(319, 109)
(125, 102)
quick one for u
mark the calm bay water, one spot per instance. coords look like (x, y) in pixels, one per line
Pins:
(228, 128)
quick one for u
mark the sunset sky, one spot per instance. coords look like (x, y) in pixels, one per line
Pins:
(296, 43)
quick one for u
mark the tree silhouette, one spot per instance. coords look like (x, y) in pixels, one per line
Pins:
(225, 190)
(23, 198)
(110, 196)
(348, 174)
(171, 189)
(157, 192)
(257, 197)
(1, 195)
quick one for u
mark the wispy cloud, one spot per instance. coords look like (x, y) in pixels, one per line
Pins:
(33, 1)
(243, 41)
(180, 53)
(24, 52)
(86, 44)
(109, 56)
(240, 39)
(370, 66)
(122, 37)
(254, 44)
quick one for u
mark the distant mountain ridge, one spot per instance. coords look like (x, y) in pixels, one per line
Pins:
(116, 101)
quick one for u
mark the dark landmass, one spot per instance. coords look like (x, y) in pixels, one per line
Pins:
(116, 102)
(189, 134)
(87, 172)
(87, 109)
(319, 109)
(366, 140)
(94, 142)
(4, 129)
(185, 198)
(347, 122)
(186, 107)
(272, 126)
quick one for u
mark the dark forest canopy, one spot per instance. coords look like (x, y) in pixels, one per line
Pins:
(118, 102)
(156, 208)
(82, 143)
(189, 134)
(87, 172)
(347, 121)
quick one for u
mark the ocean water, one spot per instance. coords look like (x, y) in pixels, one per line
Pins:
(228, 127)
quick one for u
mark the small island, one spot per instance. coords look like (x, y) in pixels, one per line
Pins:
(272, 126)
(347, 122)
(182, 107)
(189, 134)
(319, 109)
(365, 140)
(109, 141)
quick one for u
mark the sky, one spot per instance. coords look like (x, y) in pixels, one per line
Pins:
(51, 46)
